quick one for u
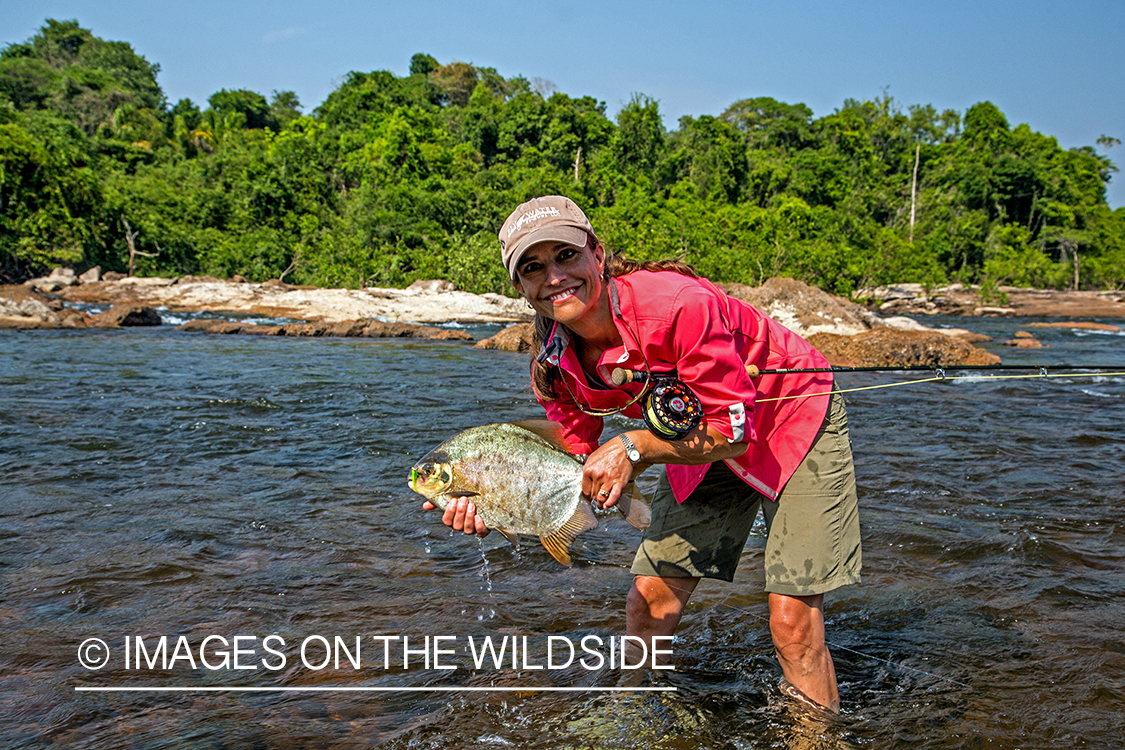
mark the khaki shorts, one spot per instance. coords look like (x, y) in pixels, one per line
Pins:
(812, 531)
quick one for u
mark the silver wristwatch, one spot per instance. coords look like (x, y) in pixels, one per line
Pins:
(631, 451)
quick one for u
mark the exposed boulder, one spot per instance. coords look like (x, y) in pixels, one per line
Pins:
(431, 286)
(514, 338)
(59, 279)
(804, 309)
(1024, 340)
(886, 347)
(91, 276)
(127, 316)
(27, 307)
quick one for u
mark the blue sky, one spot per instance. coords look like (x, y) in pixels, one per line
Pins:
(1058, 66)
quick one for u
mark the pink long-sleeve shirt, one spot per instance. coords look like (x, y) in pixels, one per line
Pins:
(672, 322)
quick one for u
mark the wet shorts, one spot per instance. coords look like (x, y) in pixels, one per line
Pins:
(812, 531)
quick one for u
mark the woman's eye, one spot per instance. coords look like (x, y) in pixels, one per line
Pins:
(567, 253)
(530, 268)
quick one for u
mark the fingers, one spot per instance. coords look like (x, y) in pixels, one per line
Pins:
(461, 515)
(614, 495)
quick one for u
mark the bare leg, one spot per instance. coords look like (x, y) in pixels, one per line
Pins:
(797, 627)
(654, 606)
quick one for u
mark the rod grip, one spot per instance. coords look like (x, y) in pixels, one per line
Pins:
(752, 371)
(621, 376)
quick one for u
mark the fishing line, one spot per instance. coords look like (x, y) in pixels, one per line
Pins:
(829, 643)
(941, 377)
(833, 645)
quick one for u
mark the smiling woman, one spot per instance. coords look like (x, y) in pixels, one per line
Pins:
(775, 443)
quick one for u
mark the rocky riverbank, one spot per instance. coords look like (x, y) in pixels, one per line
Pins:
(958, 299)
(848, 333)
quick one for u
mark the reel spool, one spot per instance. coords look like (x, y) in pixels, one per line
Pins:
(671, 410)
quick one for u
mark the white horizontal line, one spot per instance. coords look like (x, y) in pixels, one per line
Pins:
(145, 689)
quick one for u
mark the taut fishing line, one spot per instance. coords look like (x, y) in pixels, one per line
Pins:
(829, 643)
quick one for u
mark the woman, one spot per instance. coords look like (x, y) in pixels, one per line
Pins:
(778, 442)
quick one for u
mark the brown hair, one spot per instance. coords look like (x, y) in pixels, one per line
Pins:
(543, 375)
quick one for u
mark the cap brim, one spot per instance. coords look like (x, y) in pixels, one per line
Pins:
(570, 235)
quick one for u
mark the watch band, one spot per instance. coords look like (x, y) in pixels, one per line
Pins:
(631, 451)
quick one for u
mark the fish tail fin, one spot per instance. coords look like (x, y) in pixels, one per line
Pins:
(635, 506)
(558, 543)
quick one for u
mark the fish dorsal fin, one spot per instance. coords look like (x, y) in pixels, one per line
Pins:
(550, 431)
(635, 506)
(558, 543)
(513, 538)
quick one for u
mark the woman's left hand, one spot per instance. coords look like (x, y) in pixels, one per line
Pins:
(606, 473)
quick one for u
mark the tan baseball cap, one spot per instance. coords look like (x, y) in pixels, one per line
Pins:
(551, 218)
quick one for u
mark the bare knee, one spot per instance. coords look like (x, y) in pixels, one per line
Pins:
(796, 620)
(654, 605)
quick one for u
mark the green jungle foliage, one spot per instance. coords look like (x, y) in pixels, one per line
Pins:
(393, 179)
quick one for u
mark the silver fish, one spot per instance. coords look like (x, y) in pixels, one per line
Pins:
(522, 479)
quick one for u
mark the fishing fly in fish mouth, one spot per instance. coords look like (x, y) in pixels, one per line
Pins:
(729, 444)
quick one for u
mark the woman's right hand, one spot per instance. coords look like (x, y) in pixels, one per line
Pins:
(461, 515)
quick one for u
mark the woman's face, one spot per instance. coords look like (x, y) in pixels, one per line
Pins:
(562, 282)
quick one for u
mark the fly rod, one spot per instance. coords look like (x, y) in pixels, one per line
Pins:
(621, 376)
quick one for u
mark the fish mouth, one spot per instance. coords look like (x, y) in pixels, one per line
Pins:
(429, 478)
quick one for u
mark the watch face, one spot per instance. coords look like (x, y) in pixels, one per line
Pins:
(634, 456)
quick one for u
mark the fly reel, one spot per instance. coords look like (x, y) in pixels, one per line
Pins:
(670, 410)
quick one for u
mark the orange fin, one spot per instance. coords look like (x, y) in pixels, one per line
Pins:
(635, 506)
(550, 431)
(558, 544)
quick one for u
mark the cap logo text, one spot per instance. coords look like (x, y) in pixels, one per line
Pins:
(533, 215)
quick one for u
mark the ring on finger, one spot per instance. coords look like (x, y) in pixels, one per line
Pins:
(603, 493)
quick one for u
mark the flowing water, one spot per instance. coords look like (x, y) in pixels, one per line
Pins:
(155, 483)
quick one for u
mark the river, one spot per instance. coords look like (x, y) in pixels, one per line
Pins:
(245, 498)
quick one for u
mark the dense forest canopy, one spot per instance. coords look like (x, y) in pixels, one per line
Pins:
(393, 179)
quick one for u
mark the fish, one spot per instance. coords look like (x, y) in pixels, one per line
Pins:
(522, 479)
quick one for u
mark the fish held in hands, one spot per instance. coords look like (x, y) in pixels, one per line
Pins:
(522, 479)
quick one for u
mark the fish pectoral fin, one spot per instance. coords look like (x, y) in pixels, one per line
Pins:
(510, 536)
(558, 543)
(635, 506)
(463, 493)
(550, 431)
